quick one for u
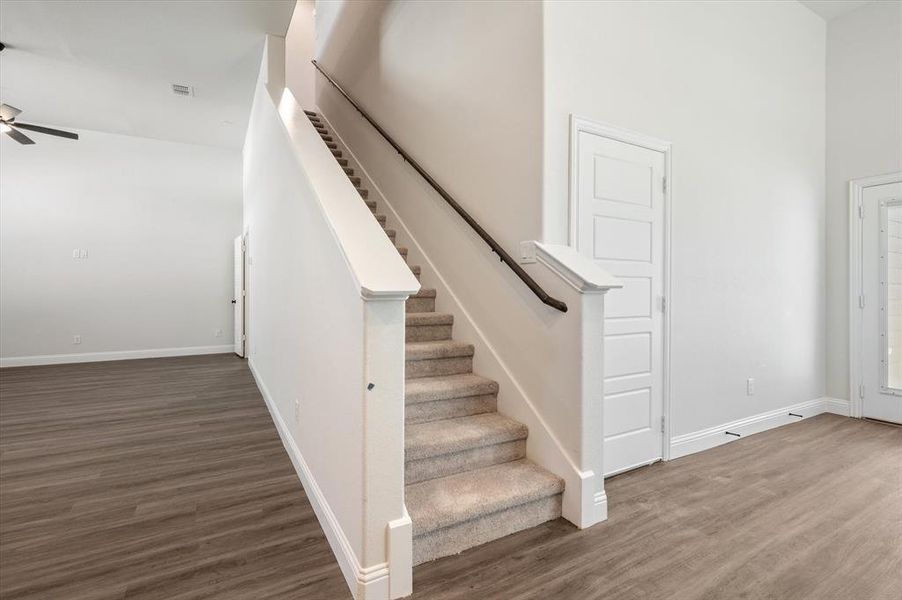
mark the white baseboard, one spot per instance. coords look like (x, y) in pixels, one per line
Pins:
(365, 583)
(704, 439)
(838, 406)
(61, 359)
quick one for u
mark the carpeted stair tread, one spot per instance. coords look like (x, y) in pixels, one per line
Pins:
(448, 501)
(439, 438)
(445, 387)
(428, 318)
(440, 349)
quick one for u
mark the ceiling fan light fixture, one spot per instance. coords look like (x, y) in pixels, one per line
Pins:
(4, 128)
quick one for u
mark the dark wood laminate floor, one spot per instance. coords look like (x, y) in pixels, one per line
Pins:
(166, 479)
(810, 511)
(151, 479)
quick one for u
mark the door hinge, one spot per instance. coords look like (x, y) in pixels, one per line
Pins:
(861, 211)
(861, 301)
(663, 304)
(662, 424)
(664, 183)
(861, 390)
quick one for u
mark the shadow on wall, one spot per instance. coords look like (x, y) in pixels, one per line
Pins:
(362, 22)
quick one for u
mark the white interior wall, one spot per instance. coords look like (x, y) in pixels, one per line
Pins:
(738, 88)
(864, 138)
(300, 75)
(459, 86)
(157, 220)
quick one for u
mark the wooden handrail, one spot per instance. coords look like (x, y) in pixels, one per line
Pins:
(488, 239)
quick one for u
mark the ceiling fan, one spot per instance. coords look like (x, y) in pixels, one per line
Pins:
(11, 127)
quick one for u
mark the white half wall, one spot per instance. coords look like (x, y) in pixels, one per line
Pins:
(864, 138)
(156, 220)
(738, 89)
(326, 293)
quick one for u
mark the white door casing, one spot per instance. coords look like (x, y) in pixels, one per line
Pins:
(880, 301)
(619, 219)
(238, 295)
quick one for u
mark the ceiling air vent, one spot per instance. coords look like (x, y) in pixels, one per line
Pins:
(182, 90)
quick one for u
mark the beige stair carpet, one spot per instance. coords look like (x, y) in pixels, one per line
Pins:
(467, 477)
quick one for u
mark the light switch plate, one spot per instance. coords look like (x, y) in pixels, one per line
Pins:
(527, 253)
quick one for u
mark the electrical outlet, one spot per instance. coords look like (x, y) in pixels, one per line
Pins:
(297, 410)
(217, 332)
(750, 386)
(76, 339)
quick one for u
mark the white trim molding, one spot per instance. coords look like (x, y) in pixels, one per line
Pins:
(856, 285)
(62, 359)
(582, 274)
(712, 437)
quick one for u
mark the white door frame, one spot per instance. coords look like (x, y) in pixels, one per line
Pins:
(856, 285)
(241, 298)
(577, 125)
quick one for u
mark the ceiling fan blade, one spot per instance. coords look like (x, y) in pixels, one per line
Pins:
(47, 130)
(19, 136)
(8, 112)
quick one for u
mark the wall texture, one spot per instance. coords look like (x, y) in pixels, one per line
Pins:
(157, 220)
(738, 88)
(459, 86)
(300, 75)
(864, 138)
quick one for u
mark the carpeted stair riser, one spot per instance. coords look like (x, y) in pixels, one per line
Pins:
(428, 327)
(428, 333)
(451, 408)
(433, 467)
(442, 448)
(430, 359)
(457, 538)
(438, 398)
(438, 366)
(417, 305)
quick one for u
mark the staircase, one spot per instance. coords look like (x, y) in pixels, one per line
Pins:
(467, 477)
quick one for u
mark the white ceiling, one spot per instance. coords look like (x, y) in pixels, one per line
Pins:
(830, 9)
(108, 65)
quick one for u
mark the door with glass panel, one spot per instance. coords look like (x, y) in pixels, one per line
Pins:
(882, 312)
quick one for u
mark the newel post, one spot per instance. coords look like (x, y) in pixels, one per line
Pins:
(588, 283)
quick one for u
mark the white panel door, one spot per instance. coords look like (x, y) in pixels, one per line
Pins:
(620, 206)
(238, 295)
(881, 329)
